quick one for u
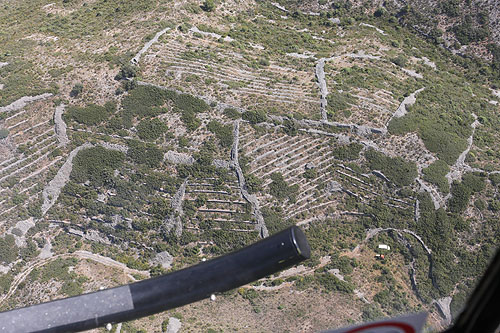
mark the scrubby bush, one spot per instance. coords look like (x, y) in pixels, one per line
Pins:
(224, 133)
(146, 154)
(435, 174)
(279, 188)
(254, 117)
(96, 164)
(396, 169)
(347, 152)
(91, 114)
(232, 113)
(77, 90)
(8, 249)
(151, 130)
(127, 71)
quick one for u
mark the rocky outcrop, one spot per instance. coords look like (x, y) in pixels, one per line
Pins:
(60, 126)
(22, 102)
(137, 57)
(53, 188)
(457, 169)
(178, 158)
(380, 31)
(164, 259)
(210, 34)
(174, 219)
(410, 100)
(323, 90)
(443, 304)
(260, 225)
(174, 325)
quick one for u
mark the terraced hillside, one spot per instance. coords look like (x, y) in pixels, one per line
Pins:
(177, 132)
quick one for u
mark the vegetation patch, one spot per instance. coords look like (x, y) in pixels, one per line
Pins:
(435, 174)
(224, 133)
(144, 153)
(91, 114)
(96, 164)
(151, 130)
(396, 169)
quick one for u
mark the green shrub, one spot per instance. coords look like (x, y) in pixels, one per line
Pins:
(151, 130)
(224, 133)
(348, 152)
(435, 174)
(8, 249)
(91, 114)
(141, 101)
(190, 119)
(448, 146)
(190, 103)
(337, 101)
(127, 71)
(396, 169)
(77, 90)
(330, 282)
(279, 189)
(96, 164)
(254, 117)
(147, 154)
(232, 113)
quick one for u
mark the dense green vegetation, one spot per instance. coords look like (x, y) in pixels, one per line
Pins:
(8, 249)
(462, 192)
(91, 114)
(337, 102)
(149, 101)
(151, 129)
(435, 174)
(347, 152)
(224, 133)
(279, 188)
(254, 116)
(143, 153)
(396, 169)
(96, 164)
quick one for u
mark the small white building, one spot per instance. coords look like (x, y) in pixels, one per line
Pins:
(384, 247)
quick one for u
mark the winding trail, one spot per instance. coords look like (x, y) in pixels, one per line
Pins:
(260, 226)
(373, 232)
(137, 57)
(22, 102)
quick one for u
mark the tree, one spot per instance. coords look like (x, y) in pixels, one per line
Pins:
(77, 90)
(208, 5)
